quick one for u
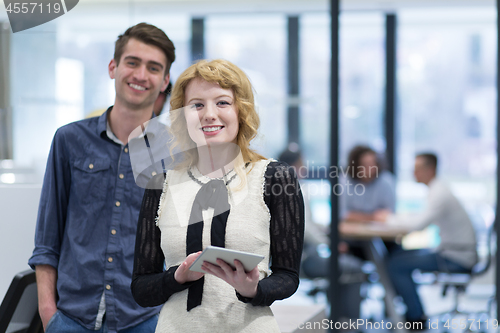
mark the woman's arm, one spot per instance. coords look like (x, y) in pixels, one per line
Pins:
(287, 235)
(151, 285)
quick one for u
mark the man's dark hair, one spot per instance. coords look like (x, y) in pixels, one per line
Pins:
(354, 160)
(431, 159)
(147, 34)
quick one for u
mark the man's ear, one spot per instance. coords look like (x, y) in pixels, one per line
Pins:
(166, 81)
(111, 68)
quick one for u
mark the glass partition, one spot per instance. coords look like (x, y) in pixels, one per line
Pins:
(257, 44)
(447, 104)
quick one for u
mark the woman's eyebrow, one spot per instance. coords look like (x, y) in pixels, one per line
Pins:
(201, 99)
(193, 99)
(223, 95)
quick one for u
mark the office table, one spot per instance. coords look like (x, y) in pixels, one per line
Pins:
(370, 230)
(374, 233)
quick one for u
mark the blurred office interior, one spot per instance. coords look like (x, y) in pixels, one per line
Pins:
(445, 76)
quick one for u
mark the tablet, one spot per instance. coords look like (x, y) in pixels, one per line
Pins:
(212, 253)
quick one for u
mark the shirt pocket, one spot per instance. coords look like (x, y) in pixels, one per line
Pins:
(91, 178)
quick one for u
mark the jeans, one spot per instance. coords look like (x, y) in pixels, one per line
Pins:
(60, 323)
(400, 267)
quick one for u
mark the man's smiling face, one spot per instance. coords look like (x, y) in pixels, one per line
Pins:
(139, 76)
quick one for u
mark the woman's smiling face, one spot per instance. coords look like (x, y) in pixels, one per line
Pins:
(211, 113)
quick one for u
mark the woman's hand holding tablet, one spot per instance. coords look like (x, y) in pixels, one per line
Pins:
(212, 253)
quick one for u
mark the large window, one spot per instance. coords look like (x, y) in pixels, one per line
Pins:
(361, 83)
(360, 93)
(257, 44)
(362, 68)
(447, 99)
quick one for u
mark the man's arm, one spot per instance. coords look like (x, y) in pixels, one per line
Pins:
(46, 277)
(353, 216)
(436, 208)
(50, 226)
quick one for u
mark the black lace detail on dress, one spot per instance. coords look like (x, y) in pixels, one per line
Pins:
(151, 286)
(283, 196)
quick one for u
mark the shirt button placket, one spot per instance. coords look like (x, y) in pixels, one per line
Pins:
(112, 250)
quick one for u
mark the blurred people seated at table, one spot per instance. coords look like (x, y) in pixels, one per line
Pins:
(457, 250)
(368, 195)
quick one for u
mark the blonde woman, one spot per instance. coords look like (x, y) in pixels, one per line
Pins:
(225, 194)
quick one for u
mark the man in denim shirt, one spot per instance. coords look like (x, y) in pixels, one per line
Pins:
(89, 206)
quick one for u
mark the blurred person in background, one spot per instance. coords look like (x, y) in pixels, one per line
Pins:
(379, 194)
(457, 250)
(369, 194)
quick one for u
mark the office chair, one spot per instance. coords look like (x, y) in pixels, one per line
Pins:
(460, 281)
(19, 308)
(314, 268)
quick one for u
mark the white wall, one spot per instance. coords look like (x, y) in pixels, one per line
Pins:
(18, 210)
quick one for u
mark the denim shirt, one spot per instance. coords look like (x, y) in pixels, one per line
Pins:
(87, 222)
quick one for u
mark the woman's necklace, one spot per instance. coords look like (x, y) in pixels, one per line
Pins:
(226, 182)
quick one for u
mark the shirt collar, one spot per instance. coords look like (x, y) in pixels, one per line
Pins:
(103, 121)
(111, 135)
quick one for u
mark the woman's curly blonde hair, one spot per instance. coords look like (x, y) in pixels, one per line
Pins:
(228, 76)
